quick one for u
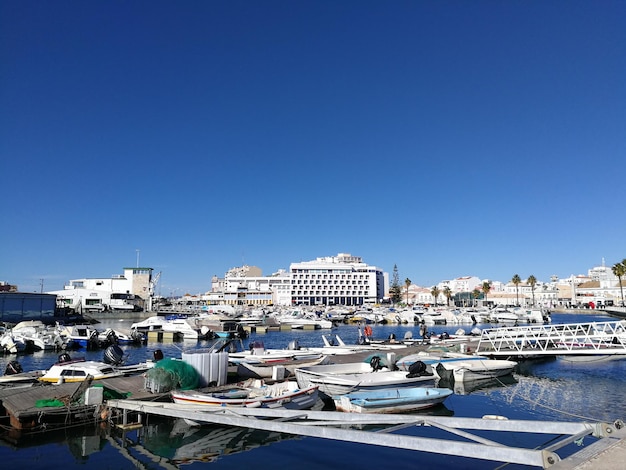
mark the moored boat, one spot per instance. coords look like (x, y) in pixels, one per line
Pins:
(391, 400)
(348, 383)
(255, 394)
(474, 370)
(78, 370)
(267, 370)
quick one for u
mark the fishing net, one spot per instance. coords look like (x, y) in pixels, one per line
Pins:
(170, 374)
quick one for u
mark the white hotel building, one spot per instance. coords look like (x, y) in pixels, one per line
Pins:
(334, 280)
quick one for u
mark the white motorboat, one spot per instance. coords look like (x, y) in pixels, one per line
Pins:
(78, 370)
(177, 325)
(39, 335)
(474, 369)
(306, 374)
(503, 315)
(300, 319)
(341, 384)
(434, 357)
(154, 323)
(112, 336)
(80, 336)
(460, 367)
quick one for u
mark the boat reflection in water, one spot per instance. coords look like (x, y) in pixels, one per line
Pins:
(468, 386)
(180, 443)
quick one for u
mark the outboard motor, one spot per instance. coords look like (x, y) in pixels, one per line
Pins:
(13, 368)
(293, 345)
(65, 357)
(157, 355)
(417, 369)
(113, 355)
(376, 363)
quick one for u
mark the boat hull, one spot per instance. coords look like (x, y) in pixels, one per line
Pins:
(248, 370)
(293, 399)
(393, 400)
(462, 371)
(343, 384)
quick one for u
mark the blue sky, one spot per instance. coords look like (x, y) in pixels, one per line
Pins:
(449, 138)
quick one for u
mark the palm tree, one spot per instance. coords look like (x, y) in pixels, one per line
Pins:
(486, 288)
(517, 281)
(475, 294)
(448, 293)
(435, 293)
(532, 282)
(407, 283)
(619, 269)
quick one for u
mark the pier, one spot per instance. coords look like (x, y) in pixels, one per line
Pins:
(576, 340)
(348, 427)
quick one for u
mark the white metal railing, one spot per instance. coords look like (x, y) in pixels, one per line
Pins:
(558, 339)
(348, 427)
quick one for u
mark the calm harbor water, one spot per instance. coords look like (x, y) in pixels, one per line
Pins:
(550, 390)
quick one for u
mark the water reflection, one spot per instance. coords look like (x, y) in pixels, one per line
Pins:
(181, 443)
(468, 386)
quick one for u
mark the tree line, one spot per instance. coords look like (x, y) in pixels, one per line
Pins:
(395, 291)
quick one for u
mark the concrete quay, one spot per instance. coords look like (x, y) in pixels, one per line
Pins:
(608, 453)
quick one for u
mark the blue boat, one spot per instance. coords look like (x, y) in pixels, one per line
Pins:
(391, 400)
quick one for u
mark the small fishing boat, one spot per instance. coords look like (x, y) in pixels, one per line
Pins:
(305, 374)
(15, 377)
(391, 400)
(474, 370)
(80, 336)
(253, 394)
(341, 384)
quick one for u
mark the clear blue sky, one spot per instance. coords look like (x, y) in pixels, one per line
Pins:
(449, 138)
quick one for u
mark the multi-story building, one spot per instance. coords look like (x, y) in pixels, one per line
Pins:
(336, 280)
(133, 289)
(246, 285)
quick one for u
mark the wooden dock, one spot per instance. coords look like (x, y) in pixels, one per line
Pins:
(19, 407)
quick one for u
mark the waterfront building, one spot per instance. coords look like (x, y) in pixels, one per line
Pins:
(462, 284)
(336, 280)
(246, 286)
(133, 290)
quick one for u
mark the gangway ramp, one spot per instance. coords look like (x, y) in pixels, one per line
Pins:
(573, 340)
(349, 427)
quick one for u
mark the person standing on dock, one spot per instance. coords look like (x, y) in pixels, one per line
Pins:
(368, 333)
(423, 331)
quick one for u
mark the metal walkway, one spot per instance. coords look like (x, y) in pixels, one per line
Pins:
(576, 339)
(337, 426)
